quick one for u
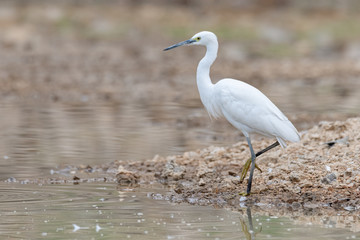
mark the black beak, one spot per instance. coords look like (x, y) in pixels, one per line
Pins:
(180, 44)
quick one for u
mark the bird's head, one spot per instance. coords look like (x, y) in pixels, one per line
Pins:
(202, 38)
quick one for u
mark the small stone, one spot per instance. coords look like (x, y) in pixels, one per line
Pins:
(126, 177)
(178, 190)
(232, 173)
(348, 172)
(329, 178)
(202, 182)
(295, 205)
(242, 198)
(235, 179)
(11, 179)
(218, 151)
(228, 183)
(294, 177)
(315, 136)
(173, 170)
(349, 208)
(306, 184)
(203, 170)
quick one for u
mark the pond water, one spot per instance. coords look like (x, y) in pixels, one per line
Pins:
(37, 138)
(103, 211)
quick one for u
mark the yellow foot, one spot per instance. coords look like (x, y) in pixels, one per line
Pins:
(246, 169)
(244, 194)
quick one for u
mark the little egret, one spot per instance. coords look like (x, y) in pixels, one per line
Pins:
(244, 106)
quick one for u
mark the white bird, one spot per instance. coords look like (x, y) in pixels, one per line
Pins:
(244, 106)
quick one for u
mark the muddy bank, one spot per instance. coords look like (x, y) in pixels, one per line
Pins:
(309, 174)
(309, 177)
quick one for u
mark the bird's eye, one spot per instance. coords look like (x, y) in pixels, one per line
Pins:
(198, 38)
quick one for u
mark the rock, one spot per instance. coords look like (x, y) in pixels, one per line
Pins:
(202, 182)
(232, 173)
(125, 177)
(242, 198)
(230, 180)
(306, 184)
(329, 178)
(294, 177)
(173, 170)
(203, 170)
(348, 172)
(349, 208)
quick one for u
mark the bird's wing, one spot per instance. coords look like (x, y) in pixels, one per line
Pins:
(250, 110)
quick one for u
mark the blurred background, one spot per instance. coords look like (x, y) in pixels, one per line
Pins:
(87, 82)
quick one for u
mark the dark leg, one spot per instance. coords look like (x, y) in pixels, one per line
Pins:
(252, 165)
(267, 148)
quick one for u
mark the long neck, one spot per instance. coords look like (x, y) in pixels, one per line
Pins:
(205, 86)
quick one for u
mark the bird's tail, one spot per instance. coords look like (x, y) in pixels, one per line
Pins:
(282, 142)
(287, 132)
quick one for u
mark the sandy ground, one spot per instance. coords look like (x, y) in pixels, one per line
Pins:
(306, 175)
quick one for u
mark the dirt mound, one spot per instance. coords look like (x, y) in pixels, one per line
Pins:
(320, 172)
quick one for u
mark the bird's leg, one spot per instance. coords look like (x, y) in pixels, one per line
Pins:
(248, 162)
(252, 166)
(267, 148)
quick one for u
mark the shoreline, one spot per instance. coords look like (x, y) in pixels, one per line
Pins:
(305, 177)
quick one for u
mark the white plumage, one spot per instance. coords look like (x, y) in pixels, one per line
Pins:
(249, 110)
(244, 106)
